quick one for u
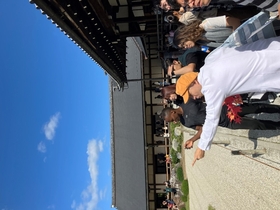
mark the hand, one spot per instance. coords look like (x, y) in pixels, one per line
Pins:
(198, 3)
(199, 153)
(278, 7)
(169, 70)
(189, 144)
(181, 10)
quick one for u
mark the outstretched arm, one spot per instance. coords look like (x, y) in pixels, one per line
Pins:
(189, 143)
(214, 101)
(199, 153)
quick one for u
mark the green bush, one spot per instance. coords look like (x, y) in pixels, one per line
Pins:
(211, 207)
(179, 139)
(184, 198)
(179, 171)
(185, 187)
(179, 148)
(174, 158)
(180, 174)
(187, 204)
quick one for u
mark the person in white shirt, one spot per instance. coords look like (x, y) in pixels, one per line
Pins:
(249, 68)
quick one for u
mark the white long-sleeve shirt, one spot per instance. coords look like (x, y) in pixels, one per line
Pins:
(253, 67)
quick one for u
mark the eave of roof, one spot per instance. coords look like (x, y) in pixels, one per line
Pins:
(89, 34)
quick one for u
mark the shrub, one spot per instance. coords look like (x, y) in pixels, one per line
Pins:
(179, 139)
(174, 158)
(211, 207)
(180, 174)
(183, 208)
(185, 187)
(184, 198)
(179, 148)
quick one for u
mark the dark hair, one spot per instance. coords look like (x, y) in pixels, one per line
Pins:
(156, 2)
(165, 112)
(190, 32)
(173, 4)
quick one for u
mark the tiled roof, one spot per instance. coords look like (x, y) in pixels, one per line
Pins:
(88, 24)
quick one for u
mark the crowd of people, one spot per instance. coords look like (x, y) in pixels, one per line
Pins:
(213, 82)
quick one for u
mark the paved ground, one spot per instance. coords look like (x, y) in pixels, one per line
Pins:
(228, 181)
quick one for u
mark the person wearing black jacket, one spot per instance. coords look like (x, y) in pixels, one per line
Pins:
(188, 62)
(264, 5)
(193, 114)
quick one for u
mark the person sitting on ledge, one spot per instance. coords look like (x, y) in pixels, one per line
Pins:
(193, 114)
(170, 203)
(233, 114)
(170, 190)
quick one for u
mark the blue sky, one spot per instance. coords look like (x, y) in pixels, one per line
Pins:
(54, 118)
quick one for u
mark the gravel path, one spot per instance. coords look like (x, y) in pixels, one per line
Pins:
(228, 181)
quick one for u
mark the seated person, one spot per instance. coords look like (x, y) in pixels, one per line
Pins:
(195, 3)
(193, 114)
(170, 190)
(211, 32)
(167, 183)
(188, 62)
(163, 4)
(168, 159)
(241, 13)
(216, 8)
(189, 16)
(170, 203)
(271, 6)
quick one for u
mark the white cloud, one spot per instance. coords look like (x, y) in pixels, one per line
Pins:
(51, 206)
(90, 196)
(102, 193)
(100, 145)
(73, 205)
(42, 147)
(49, 127)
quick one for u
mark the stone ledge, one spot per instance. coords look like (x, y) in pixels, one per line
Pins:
(239, 140)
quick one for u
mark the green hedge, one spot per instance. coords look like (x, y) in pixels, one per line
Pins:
(180, 174)
(184, 198)
(185, 187)
(211, 207)
(174, 158)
